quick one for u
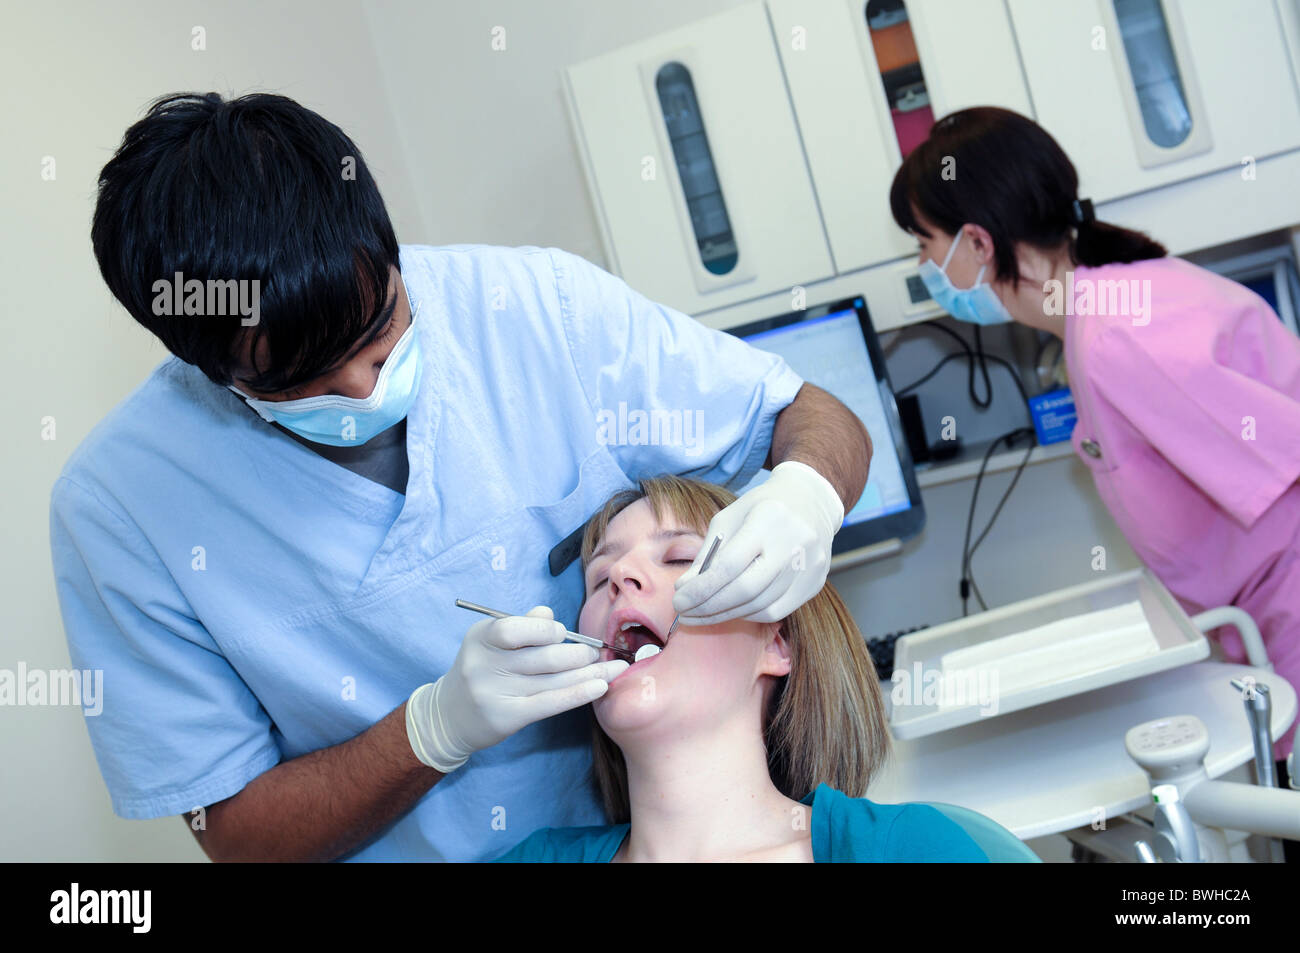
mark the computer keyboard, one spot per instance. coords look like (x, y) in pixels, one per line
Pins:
(881, 648)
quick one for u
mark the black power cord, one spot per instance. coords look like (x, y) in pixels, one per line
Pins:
(968, 551)
(977, 358)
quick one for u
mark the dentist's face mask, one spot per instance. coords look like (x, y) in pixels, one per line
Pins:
(351, 421)
(977, 304)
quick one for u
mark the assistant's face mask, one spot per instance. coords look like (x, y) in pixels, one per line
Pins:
(351, 421)
(977, 304)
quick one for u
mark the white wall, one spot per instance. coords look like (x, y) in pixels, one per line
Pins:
(468, 145)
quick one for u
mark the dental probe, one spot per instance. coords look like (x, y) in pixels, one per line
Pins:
(594, 642)
(703, 569)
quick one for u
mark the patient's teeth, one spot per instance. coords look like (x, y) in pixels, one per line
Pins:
(647, 651)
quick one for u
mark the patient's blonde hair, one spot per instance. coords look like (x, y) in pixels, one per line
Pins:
(825, 721)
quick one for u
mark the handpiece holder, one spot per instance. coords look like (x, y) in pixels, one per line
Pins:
(1191, 811)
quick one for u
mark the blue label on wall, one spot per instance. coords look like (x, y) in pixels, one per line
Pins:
(1054, 415)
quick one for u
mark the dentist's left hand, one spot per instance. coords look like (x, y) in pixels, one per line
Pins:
(508, 674)
(775, 552)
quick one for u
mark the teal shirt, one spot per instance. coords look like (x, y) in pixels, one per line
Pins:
(844, 830)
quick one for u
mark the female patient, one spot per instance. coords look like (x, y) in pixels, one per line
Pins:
(741, 741)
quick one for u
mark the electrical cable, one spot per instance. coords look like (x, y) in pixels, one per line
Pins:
(984, 372)
(968, 586)
(1015, 376)
(984, 402)
(975, 357)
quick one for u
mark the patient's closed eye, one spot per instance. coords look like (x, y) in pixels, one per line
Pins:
(687, 560)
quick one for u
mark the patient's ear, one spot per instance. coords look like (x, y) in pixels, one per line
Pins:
(776, 650)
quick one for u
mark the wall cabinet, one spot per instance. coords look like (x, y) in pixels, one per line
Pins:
(696, 165)
(867, 78)
(1144, 93)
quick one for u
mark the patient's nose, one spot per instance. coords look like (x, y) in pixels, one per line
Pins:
(628, 574)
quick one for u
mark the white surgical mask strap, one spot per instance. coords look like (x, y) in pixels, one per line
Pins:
(951, 248)
(253, 403)
(240, 394)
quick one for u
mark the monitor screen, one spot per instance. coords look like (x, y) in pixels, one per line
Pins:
(834, 347)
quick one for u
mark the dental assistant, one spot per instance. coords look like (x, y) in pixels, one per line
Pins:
(1187, 391)
(262, 545)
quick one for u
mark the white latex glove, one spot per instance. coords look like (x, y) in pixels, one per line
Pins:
(775, 551)
(508, 673)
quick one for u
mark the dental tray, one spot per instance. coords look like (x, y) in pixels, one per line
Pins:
(1036, 651)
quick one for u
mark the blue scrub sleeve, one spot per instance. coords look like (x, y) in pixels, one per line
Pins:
(667, 394)
(178, 728)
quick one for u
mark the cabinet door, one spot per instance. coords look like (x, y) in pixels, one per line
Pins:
(696, 166)
(1142, 93)
(868, 78)
(968, 50)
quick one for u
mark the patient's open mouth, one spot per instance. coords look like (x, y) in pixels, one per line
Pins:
(634, 631)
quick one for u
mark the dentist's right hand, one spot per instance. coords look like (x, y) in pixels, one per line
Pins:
(509, 673)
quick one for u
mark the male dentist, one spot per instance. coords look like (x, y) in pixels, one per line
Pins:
(262, 545)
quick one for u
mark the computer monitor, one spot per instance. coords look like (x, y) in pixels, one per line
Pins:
(834, 346)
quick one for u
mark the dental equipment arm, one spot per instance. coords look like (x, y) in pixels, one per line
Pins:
(1191, 811)
(1172, 751)
(1251, 640)
(1175, 833)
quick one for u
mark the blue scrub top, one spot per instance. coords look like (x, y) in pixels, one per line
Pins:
(249, 601)
(844, 830)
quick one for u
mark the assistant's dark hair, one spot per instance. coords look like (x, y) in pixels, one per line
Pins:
(254, 188)
(994, 168)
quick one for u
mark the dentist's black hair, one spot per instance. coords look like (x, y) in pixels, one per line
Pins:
(257, 187)
(995, 168)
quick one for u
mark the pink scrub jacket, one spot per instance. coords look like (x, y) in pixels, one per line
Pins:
(1189, 419)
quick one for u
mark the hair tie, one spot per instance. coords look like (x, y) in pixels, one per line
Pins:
(1081, 211)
